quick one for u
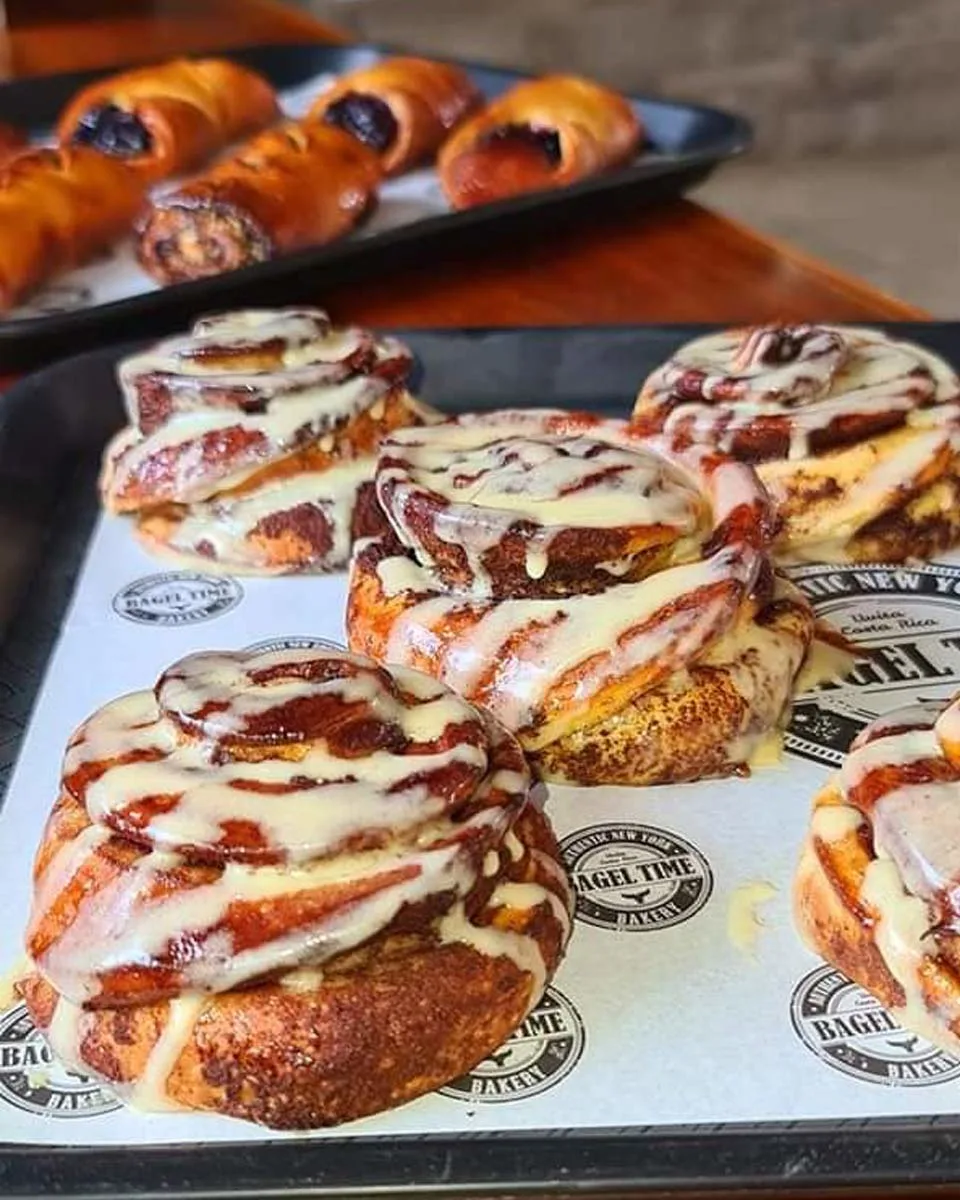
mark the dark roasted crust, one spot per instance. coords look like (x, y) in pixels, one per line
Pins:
(388, 1023)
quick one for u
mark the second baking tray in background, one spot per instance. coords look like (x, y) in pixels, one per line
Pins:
(684, 144)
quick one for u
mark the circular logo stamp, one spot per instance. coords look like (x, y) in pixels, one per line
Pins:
(293, 643)
(636, 877)
(538, 1056)
(177, 598)
(908, 619)
(848, 1029)
(34, 1080)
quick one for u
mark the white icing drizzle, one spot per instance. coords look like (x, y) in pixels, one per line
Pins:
(212, 409)
(218, 723)
(150, 1091)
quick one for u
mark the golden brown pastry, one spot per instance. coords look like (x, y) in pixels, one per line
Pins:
(544, 133)
(300, 184)
(292, 887)
(59, 209)
(252, 440)
(12, 141)
(608, 598)
(402, 108)
(876, 890)
(855, 434)
(166, 119)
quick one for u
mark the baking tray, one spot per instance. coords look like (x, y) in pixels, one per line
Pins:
(689, 141)
(52, 427)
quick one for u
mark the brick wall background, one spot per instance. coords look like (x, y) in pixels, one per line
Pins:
(815, 76)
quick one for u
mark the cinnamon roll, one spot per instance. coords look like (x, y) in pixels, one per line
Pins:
(876, 891)
(856, 434)
(252, 440)
(292, 887)
(608, 597)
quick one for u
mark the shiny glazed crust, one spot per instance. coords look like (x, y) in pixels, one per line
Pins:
(59, 209)
(308, 1035)
(190, 108)
(238, 456)
(596, 129)
(873, 935)
(427, 100)
(298, 185)
(669, 663)
(856, 435)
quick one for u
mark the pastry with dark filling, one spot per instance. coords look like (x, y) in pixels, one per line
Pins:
(544, 133)
(292, 887)
(298, 185)
(252, 441)
(609, 598)
(855, 433)
(402, 108)
(170, 118)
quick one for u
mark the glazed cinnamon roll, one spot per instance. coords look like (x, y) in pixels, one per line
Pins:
(876, 890)
(292, 887)
(856, 434)
(607, 597)
(252, 440)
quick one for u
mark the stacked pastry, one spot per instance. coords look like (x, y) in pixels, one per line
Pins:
(856, 434)
(607, 597)
(876, 892)
(252, 440)
(293, 887)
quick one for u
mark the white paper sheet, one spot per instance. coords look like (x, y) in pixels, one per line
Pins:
(657, 1016)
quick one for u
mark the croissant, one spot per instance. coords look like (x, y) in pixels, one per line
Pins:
(166, 119)
(855, 434)
(608, 598)
(403, 108)
(292, 887)
(294, 186)
(876, 890)
(59, 209)
(252, 440)
(543, 133)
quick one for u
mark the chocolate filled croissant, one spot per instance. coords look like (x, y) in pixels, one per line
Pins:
(855, 434)
(58, 210)
(300, 184)
(171, 118)
(544, 133)
(608, 598)
(292, 887)
(876, 891)
(403, 108)
(252, 441)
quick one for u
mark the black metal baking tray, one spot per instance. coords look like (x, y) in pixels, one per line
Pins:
(690, 139)
(52, 427)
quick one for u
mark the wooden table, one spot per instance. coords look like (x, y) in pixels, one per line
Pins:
(677, 263)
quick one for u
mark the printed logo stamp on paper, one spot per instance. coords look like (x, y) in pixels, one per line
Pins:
(293, 643)
(848, 1029)
(177, 598)
(538, 1056)
(32, 1079)
(909, 620)
(635, 877)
